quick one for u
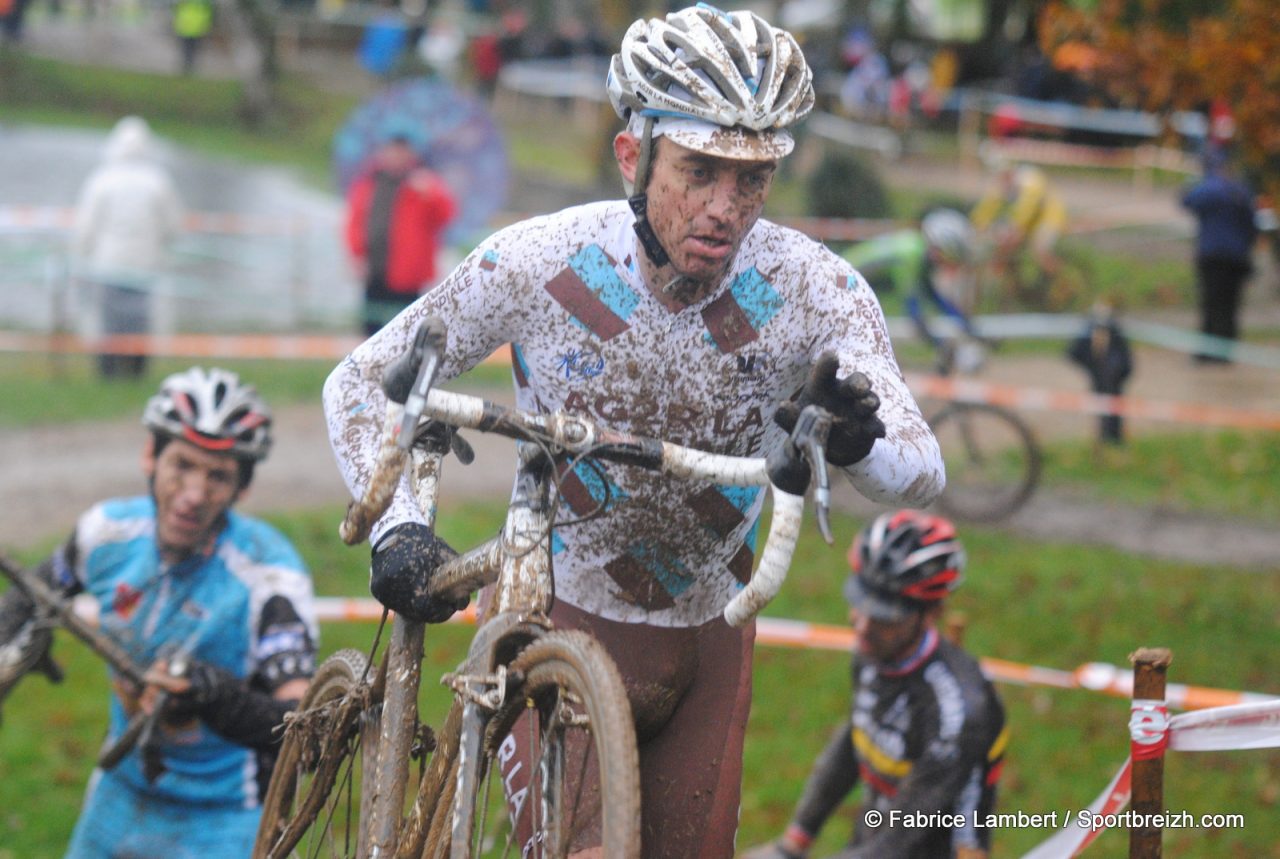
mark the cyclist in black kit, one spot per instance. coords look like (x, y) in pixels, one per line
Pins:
(927, 733)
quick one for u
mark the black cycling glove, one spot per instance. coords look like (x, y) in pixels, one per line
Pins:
(229, 707)
(852, 404)
(404, 560)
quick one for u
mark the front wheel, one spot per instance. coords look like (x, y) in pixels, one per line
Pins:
(993, 461)
(559, 770)
(312, 807)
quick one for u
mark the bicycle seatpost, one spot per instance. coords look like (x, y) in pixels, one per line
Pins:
(409, 380)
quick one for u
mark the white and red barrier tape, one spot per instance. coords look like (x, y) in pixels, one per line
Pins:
(779, 632)
(1253, 725)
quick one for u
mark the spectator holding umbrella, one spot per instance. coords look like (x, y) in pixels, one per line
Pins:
(396, 212)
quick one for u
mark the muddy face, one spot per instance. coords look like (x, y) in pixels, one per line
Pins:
(193, 489)
(702, 206)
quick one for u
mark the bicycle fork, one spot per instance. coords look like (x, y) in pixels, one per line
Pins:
(523, 600)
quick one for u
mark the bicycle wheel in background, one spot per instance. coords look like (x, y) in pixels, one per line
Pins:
(992, 458)
(560, 767)
(312, 806)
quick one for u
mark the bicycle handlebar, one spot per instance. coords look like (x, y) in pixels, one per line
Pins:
(49, 600)
(141, 727)
(575, 435)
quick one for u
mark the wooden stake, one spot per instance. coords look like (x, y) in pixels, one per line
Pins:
(1150, 665)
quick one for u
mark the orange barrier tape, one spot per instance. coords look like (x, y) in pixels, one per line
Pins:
(1045, 399)
(334, 347)
(329, 347)
(227, 223)
(779, 632)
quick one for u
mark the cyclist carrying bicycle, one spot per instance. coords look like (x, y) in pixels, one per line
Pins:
(1022, 212)
(931, 266)
(927, 734)
(678, 314)
(177, 575)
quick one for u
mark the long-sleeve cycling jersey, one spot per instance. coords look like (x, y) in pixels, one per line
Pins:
(924, 739)
(244, 604)
(591, 338)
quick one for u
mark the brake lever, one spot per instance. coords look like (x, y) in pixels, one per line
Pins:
(409, 380)
(809, 437)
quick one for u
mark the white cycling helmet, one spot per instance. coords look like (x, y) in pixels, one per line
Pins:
(700, 71)
(211, 409)
(950, 233)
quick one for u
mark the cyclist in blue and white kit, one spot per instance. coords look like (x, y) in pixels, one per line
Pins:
(177, 573)
(680, 314)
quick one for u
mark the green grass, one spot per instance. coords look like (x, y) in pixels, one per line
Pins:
(195, 112)
(1046, 604)
(1228, 473)
(40, 389)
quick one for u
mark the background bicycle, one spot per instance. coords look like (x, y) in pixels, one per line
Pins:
(344, 782)
(1010, 279)
(992, 456)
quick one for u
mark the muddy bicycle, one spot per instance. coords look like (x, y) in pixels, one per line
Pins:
(26, 650)
(361, 773)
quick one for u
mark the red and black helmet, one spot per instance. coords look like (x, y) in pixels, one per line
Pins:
(902, 562)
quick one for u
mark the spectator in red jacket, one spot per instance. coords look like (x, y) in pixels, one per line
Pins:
(396, 211)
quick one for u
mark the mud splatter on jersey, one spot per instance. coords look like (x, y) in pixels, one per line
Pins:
(592, 338)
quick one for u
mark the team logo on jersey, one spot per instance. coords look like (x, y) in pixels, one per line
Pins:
(753, 365)
(579, 364)
(124, 601)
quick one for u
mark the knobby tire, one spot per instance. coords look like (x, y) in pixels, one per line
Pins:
(312, 804)
(571, 709)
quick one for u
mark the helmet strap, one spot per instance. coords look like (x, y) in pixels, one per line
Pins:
(639, 200)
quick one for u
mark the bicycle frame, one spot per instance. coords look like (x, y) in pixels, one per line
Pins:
(52, 606)
(519, 561)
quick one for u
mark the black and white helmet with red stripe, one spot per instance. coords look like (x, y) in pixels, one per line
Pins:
(211, 409)
(903, 559)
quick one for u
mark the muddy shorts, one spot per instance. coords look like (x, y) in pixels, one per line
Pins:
(690, 691)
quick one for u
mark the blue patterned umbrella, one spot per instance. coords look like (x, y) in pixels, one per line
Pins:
(454, 135)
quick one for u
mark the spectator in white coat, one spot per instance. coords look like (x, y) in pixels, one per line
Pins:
(127, 214)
